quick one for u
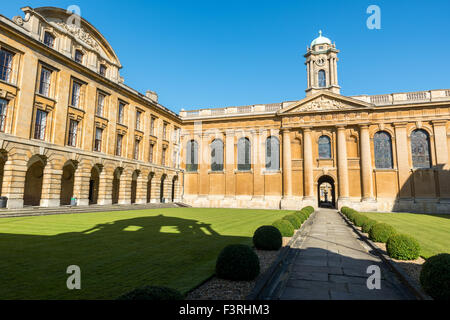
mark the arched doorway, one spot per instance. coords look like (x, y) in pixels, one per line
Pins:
(174, 182)
(3, 159)
(161, 190)
(149, 187)
(134, 186)
(33, 181)
(116, 185)
(326, 192)
(67, 182)
(94, 183)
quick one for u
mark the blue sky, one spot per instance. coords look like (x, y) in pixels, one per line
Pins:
(218, 53)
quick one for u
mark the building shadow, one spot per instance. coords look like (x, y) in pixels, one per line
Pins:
(114, 258)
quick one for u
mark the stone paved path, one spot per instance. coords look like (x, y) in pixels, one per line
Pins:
(332, 264)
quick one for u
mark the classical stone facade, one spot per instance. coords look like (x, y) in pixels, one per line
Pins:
(70, 128)
(387, 152)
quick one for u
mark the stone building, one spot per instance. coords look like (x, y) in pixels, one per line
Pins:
(70, 128)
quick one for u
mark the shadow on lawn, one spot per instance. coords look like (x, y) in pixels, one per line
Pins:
(114, 258)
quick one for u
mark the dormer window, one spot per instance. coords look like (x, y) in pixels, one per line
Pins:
(49, 39)
(102, 70)
(78, 56)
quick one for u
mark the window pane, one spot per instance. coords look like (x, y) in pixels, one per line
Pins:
(420, 149)
(383, 150)
(3, 106)
(322, 79)
(244, 155)
(5, 65)
(44, 86)
(49, 40)
(272, 153)
(76, 90)
(192, 156)
(217, 155)
(100, 104)
(40, 124)
(324, 147)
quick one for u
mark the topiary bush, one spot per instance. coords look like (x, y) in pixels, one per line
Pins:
(302, 216)
(402, 247)
(285, 227)
(345, 211)
(267, 238)
(152, 293)
(309, 210)
(367, 225)
(237, 262)
(294, 220)
(435, 276)
(381, 232)
(360, 219)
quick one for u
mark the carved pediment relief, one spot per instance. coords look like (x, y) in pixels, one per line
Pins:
(79, 33)
(324, 102)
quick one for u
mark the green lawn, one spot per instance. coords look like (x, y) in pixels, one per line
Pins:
(118, 251)
(432, 231)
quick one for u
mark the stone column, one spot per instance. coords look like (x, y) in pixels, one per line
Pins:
(125, 188)
(342, 164)
(404, 169)
(308, 176)
(156, 186)
(331, 64)
(141, 188)
(442, 161)
(366, 164)
(287, 164)
(230, 188)
(105, 186)
(51, 187)
(13, 187)
(81, 185)
(204, 166)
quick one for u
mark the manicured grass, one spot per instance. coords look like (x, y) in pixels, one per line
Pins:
(432, 231)
(119, 251)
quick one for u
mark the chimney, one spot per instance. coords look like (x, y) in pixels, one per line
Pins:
(152, 96)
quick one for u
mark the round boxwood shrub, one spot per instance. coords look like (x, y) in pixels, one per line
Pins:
(237, 262)
(302, 216)
(285, 227)
(381, 232)
(152, 293)
(402, 247)
(267, 238)
(367, 225)
(435, 276)
(345, 211)
(360, 219)
(309, 210)
(294, 220)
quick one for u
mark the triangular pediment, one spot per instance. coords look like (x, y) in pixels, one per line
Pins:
(325, 101)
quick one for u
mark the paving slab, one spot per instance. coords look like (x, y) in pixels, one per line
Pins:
(331, 263)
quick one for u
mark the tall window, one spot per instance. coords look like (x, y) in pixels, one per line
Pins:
(136, 149)
(98, 139)
(119, 145)
(73, 129)
(100, 104)
(121, 113)
(6, 58)
(40, 124)
(322, 79)
(192, 156)
(138, 120)
(382, 145)
(3, 106)
(78, 56)
(324, 147)
(150, 154)
(44, 83)
(76, 94)
(420, 149)
(165, 131)
(163, 156)
(272, 153)
(49, 39)
(217, 155)
(102, 70)
(244, 154)
(152, 126)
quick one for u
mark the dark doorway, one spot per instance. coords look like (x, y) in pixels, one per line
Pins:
(161, 190)
(116, 186)
(67, 181)
(134, 186)
(149, 187)
(94, 183)
(33, 182)
(326, 192)
(174, 181)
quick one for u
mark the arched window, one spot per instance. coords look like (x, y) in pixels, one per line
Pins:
(322, 79)
(382, 145)
(324, 147)
(217, 155)
(49, 39)
(192, 156)
(272, 153)
(420, 149)
(244, 155)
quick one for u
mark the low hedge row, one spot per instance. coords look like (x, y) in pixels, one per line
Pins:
(291, 222)
(398, 246)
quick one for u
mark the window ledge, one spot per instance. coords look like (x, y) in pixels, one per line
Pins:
(270, 172)
(191, 172)
(216, 172)
(243, 171)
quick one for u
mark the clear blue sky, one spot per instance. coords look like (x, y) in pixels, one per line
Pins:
(221, 53)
